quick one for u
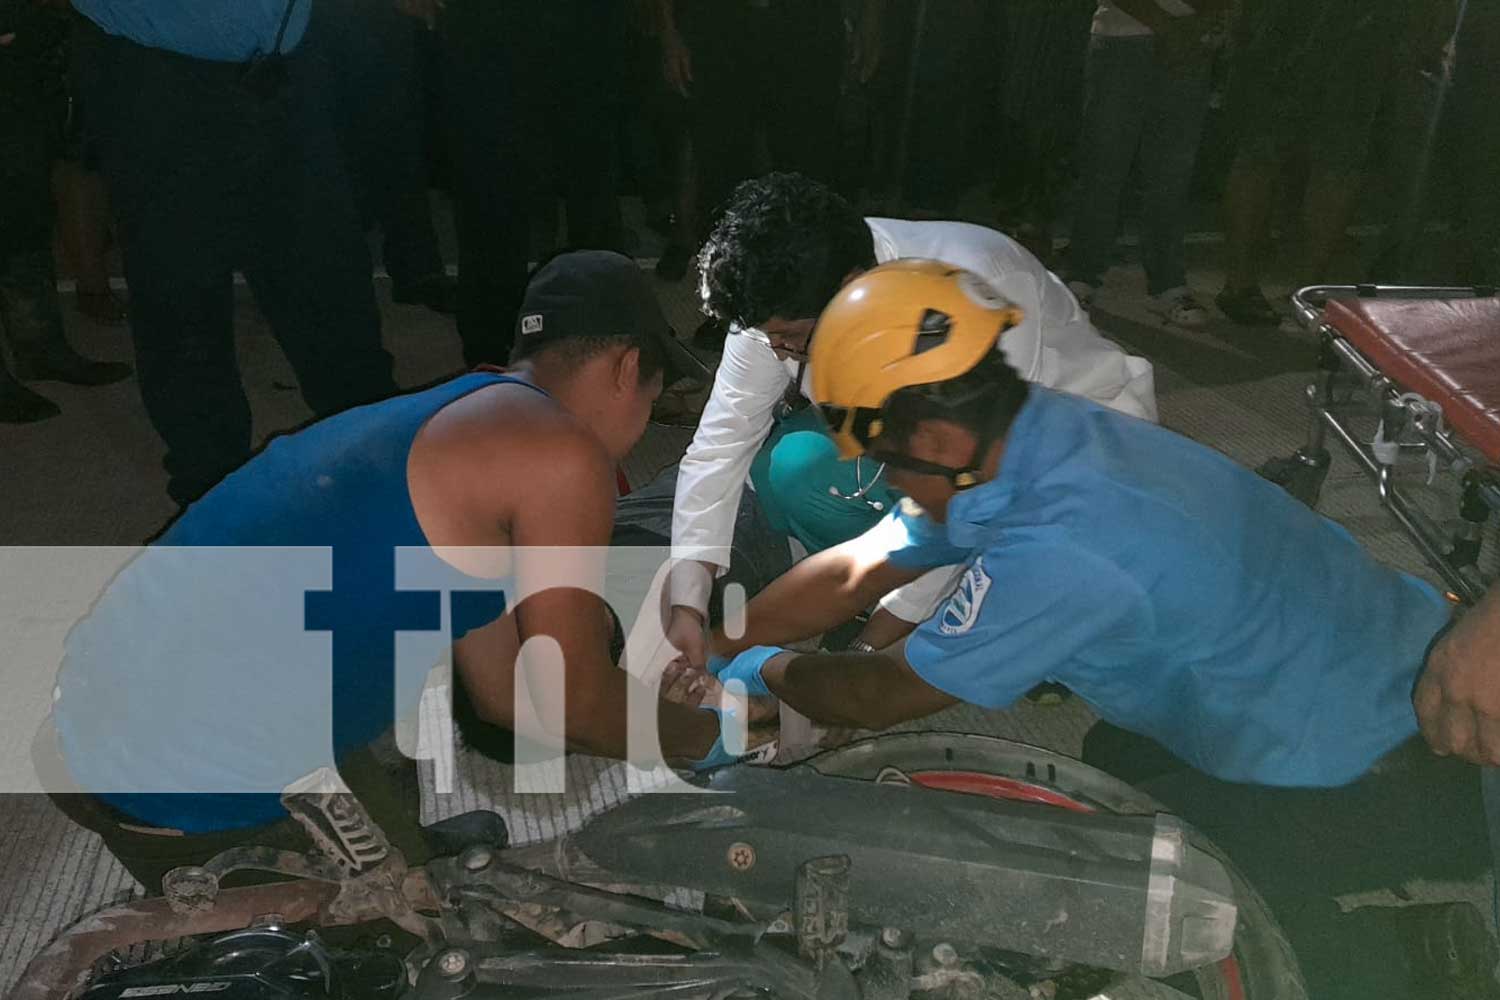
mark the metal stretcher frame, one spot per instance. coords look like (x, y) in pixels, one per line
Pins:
(1454, 556)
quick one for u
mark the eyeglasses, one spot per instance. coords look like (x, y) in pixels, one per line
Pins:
(796, 352)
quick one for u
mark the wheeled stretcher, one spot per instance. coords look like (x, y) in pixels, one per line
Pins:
(1426, 362)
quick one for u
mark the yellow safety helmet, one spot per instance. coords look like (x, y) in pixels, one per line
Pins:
(906, 323)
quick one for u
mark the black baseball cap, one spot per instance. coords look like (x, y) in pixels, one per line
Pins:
(599, 293)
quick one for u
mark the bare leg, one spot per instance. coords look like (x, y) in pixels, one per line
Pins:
(1247, 200)
(83, 224)
(1329, 202)
(1247, 204)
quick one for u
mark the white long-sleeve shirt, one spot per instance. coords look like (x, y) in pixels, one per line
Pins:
(1055, 345)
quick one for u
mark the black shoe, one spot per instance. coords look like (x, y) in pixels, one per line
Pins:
(672, 265)
(1247, 307)
(63, 364)
(437, 292)
(19, 405)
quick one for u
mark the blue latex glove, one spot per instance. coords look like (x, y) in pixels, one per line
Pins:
(719, 754)
(746, 668)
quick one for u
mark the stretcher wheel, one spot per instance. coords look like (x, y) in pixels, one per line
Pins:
(1262, 966)
(1301, 474)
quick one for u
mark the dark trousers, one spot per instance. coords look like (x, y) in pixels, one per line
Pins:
(1140, 109)
(776, 66)
(31, 323)
(527, 90)
(206, 177)
(953, 66)
(1414, 816)
(369, 54)
(30, 320)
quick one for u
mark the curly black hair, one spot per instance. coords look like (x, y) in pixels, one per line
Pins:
(781, 246)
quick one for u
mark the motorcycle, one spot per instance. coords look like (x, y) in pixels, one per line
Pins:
(916, 865)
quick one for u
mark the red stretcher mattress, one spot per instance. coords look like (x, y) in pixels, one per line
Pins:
(1447, 350)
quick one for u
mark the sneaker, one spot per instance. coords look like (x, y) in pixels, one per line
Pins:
(1247, 307)
(1083, 291)
(1180, 307)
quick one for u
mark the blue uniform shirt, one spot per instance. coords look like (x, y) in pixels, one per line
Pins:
(1180, 595)
(220, 30)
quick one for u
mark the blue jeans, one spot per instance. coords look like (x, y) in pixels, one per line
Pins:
(369, 53)
(1137, 102)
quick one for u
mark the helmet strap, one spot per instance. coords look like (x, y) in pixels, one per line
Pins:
(960, 478)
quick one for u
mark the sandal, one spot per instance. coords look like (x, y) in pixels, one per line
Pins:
(1179, 307)
(1247, 307)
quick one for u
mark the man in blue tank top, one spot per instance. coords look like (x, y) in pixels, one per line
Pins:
(198, 686)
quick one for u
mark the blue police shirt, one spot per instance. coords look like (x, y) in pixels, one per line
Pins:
(220, 30)
(1182, 596)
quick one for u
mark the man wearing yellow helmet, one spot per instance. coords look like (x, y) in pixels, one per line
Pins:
(1228, 635)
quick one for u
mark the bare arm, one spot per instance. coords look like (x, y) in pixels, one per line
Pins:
(870, 40)
(817, 594)
(853, 690)
(1457, 698)
(884, 630)
(560, 528)
(676, 57)
(666, 14)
